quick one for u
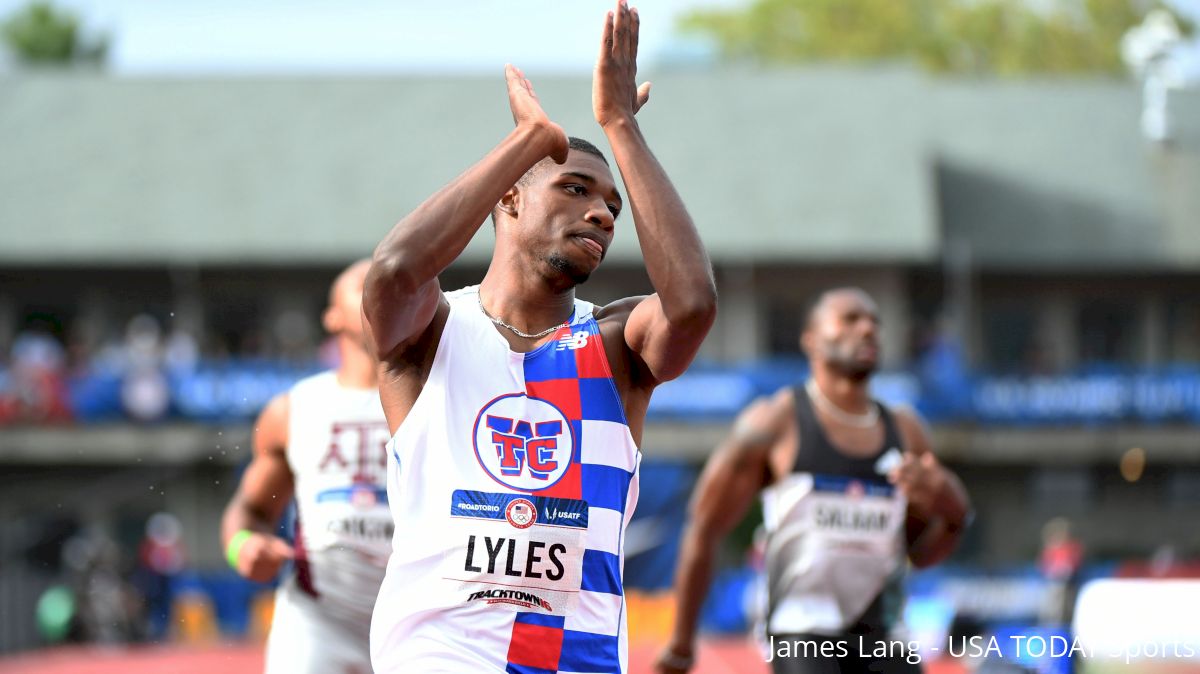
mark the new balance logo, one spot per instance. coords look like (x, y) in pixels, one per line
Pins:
(574, 341)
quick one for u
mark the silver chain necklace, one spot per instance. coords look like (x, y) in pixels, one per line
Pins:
(515, 331)
(865, 420)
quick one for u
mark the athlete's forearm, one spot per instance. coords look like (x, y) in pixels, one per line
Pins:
(238, 516)
(692, 578)
(935, 544)
(427, 240)
(675, 258)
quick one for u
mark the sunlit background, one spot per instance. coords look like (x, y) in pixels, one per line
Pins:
(1017, 182)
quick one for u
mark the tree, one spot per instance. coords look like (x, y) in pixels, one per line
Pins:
(1008, 37)
(40, 33)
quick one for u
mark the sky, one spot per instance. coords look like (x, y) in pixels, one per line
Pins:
(252, 37)
(367, 36)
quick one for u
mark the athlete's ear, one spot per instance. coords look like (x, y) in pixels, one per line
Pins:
(510, 202)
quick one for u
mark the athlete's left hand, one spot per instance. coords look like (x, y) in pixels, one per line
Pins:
(615, 93)
(921, 480)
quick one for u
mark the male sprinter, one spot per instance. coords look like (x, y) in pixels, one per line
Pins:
(849, 488)
(517, 408)
(323, 443)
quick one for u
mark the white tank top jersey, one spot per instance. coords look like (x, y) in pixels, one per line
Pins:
(511, 483)
(337, 450)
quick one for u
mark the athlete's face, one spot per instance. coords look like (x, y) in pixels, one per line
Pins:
(565, 215)
(343, 316)
(844, 333)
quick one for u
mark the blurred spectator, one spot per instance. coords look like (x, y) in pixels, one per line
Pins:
(161, 557)
(180, 352)
(1060, 562)
(35, 390)
(942, 368)
(144, 393)
(106, 603)
(143, 347)
(36, 349)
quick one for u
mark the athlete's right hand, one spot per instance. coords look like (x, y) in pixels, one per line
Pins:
(261, 557)
(669, 661)
(527, 112)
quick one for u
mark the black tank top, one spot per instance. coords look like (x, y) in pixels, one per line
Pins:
(819, 456)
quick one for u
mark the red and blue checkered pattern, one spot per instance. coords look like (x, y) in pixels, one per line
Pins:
(571, 372)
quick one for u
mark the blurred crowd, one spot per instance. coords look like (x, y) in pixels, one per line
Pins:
(43, 372)
(106, 592)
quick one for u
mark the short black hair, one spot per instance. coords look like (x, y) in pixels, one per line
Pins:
(582, 145)
(573, 143)
(814, 307)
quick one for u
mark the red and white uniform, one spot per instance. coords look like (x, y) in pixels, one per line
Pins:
(336, 450)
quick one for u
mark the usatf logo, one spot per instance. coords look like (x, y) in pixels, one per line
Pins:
(520, 513)
(523, 443)
(557, 515)
(574, 341)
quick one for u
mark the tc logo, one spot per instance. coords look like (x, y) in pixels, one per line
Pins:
(523, 443)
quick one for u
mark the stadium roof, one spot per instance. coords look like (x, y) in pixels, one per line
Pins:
(806, 165)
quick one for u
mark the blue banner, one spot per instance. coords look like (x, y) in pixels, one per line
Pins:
(236, 391)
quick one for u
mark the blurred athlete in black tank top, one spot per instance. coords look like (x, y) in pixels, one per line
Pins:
(851, 492)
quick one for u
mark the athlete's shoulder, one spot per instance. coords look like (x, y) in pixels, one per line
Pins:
(278, 407)
(766, 417)
(271, 428)
(913, 429)
(779, 405)
(618, 310)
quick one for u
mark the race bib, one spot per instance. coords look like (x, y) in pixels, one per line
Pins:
(853, 515)
(515, 551)
(356, 516)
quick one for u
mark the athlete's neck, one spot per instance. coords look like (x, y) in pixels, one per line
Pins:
(849, 394)
(357, 368)
(527, 302)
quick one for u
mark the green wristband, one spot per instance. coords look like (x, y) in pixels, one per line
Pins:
(235, 546)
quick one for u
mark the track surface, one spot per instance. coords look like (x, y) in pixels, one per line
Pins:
(724, 657)
(717, 657)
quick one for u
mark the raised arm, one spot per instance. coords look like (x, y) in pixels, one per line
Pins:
(248, 525)
(401, 293)
(938, 505)
(731, 480)
(665, 330)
